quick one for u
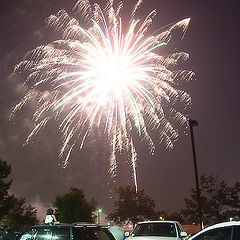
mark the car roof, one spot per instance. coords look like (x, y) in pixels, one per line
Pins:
(218, 225)
(81, 224)
(223, 224)
(167, 221)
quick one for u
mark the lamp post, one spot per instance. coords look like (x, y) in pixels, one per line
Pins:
(98, 214)
(193, 123)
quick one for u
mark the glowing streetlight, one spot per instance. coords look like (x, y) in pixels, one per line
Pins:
(98, 214)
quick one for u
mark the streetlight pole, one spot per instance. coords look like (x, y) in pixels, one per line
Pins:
(193, 123)
(99, 212)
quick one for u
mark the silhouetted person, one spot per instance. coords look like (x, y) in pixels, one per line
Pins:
(50, 217)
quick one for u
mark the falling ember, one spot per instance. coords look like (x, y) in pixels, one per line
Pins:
(102, 76)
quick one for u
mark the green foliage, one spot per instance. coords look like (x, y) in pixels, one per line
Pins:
(219, 202)
(20, 216)
(132, 206)
(5, 171)
(14, 213)
(235, 199)
(74, 207)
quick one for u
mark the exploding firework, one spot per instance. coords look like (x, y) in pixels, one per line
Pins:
(103, 75)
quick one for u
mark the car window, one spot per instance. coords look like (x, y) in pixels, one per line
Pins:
(155, 229)
(80, 233)
(91, 234)
(236, 233)
(103, 235)
(49, 233)
(43, 234)
(61, 233)
(29, 234)
(224, 233)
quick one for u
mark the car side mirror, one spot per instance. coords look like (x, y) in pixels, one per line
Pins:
(183, 234)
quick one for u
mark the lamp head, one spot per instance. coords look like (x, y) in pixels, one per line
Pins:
(193, 122)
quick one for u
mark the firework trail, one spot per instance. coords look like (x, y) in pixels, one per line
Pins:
(106, 77)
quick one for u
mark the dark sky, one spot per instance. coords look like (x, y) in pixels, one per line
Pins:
(212, 41)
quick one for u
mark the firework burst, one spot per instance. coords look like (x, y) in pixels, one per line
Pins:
(102, 76)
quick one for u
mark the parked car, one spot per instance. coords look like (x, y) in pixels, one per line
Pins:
(151, 230)
(77, 231)
(220, 231)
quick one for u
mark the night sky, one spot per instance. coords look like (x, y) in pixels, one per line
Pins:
(212, 40)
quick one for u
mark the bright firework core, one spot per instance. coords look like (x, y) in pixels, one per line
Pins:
(99, 76)
(111, 73)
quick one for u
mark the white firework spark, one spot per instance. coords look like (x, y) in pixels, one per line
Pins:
(100, 75)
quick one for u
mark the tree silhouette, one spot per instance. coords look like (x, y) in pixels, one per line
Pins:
(219, 201)
(20, 215)
(132, 206)
(14, 212)
(74, 207)
(5, 171)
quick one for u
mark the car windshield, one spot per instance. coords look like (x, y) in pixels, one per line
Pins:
(155, 229)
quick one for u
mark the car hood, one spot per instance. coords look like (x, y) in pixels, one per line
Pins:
(152, 238)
